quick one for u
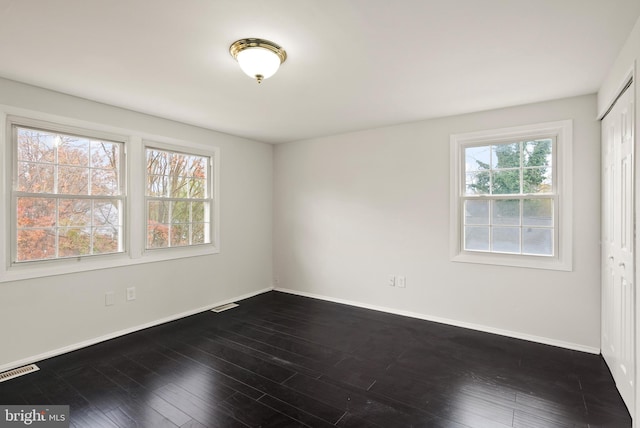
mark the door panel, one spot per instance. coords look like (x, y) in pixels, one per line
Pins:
(618, 230)
(609, 346)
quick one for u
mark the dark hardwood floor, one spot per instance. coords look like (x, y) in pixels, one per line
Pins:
(285, 361)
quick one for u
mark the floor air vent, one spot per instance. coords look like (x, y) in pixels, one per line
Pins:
(18, 372)
(225, 307)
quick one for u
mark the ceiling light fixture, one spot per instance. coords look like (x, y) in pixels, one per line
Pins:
(258, 58)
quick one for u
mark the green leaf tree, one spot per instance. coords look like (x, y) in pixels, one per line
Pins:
(533, 156)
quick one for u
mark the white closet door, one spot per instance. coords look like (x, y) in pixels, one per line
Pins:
(618, 304)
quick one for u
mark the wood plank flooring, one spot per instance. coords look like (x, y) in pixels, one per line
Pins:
(286, 361)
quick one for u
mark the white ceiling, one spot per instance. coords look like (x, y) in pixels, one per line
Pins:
(353, 64)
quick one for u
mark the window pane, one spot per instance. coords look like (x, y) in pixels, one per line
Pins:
(36, 212)
(157, 224)
(537, 153)
(35, 146)
(157, 173)
(106, 214)
(476, 238)
(157, 235)
(180, 212)
(74, 241)
(506, 182)
(180, 171)
(476, 212)
(35, 178)
(36, 244)
(104, 182)
(198, 211)
(72, 150)
(198, 234)
(537, 180)
(106, 240)
(74, 212)
(179, 235)
(477, 183)
(537, 241)
(197, 188)
(198, 167)
(506, 212)
(505, 156)
(537, 212)
(158, 212)
(105, 155)
(157, 160)
(179, 187)
(506, 239)
(73, 180)
(477, 158)
(179, 164)
(157, 185)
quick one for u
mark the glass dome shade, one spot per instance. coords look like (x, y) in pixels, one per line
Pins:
(258, 63)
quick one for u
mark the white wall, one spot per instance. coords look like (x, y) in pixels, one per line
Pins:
(40, 316)
(620, 70)
(352, 209)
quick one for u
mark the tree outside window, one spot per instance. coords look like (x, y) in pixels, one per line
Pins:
(178, 200)
(67, 195)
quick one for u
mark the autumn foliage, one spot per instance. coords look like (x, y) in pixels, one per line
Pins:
(68, 196)
(177, 205)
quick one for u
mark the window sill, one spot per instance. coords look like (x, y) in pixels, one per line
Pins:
(532, 262)
(43, 269)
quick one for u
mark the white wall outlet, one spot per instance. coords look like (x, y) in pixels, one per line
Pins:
(109, 298)
(131, 293)
(391, 281)
(401, 281)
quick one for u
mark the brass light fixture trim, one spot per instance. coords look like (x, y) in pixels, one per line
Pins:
(249, 43)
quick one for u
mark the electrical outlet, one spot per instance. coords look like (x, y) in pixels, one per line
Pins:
(109, 298)
(401, 281)
(131, 293)
(392, 281)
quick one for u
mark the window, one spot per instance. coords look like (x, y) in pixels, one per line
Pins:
(67, 195)
(509, 198)
(83, 196)
(509, 190)
(178, 199)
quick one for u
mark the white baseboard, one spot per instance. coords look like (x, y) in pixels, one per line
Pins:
(471, 326)
(84, 344)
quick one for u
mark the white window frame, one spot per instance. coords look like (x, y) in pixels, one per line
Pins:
(562, 133)
(37, 268)
(134, 220)
(213, 155)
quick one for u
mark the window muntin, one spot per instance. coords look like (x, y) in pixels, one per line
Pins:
(178, 199)
(68, 198)
(509, 197)
(48, 193)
